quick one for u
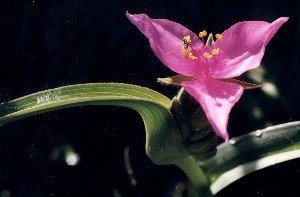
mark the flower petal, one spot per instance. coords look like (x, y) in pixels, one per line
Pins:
(244, 44)
(216, 98)
(165, 39)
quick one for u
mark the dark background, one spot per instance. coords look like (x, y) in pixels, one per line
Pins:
(47, 44)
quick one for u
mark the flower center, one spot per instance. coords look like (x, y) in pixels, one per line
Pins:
(209, 41)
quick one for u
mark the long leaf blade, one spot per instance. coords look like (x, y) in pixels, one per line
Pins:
(163, 140)
(251, 152)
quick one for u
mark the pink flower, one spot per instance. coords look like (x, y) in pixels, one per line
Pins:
(209, 69)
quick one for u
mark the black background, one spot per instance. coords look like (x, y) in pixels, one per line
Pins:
(47, 44)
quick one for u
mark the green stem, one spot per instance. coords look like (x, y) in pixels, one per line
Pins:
(195, 174)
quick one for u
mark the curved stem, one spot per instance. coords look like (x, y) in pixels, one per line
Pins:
(195, 174)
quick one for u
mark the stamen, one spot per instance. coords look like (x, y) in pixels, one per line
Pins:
(191, 56)
(219, 36)
(186, 50)
(215, 51)
(188, 55)
(203, 34)
(185, 53)
(207, 55)
(186, 41)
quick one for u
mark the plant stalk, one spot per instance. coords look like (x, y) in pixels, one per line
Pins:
(196, 175)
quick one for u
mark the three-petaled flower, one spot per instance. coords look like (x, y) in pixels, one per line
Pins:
(209, 69)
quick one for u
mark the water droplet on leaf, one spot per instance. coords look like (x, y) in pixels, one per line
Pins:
(232, 141)
(258, 133)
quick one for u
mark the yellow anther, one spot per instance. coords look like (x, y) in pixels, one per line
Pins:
(188, 55)
(186, 49)
(187, 38)
(191, 56)
(203, 34)
(207, 55)
(186, 41)
(215, 51)
(219, 36)
(185, 53)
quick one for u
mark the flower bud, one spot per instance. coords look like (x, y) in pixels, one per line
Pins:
(198, 135)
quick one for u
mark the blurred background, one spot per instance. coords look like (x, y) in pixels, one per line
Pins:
(80, 151)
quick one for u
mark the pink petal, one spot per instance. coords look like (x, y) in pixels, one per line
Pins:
(165, 39)
(216, 98)
(244, 45)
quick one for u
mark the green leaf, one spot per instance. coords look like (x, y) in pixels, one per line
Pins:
(251, 152)
(163, 139)
(164, 144)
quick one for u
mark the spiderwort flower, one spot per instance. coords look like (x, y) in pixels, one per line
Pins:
(206, 70)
